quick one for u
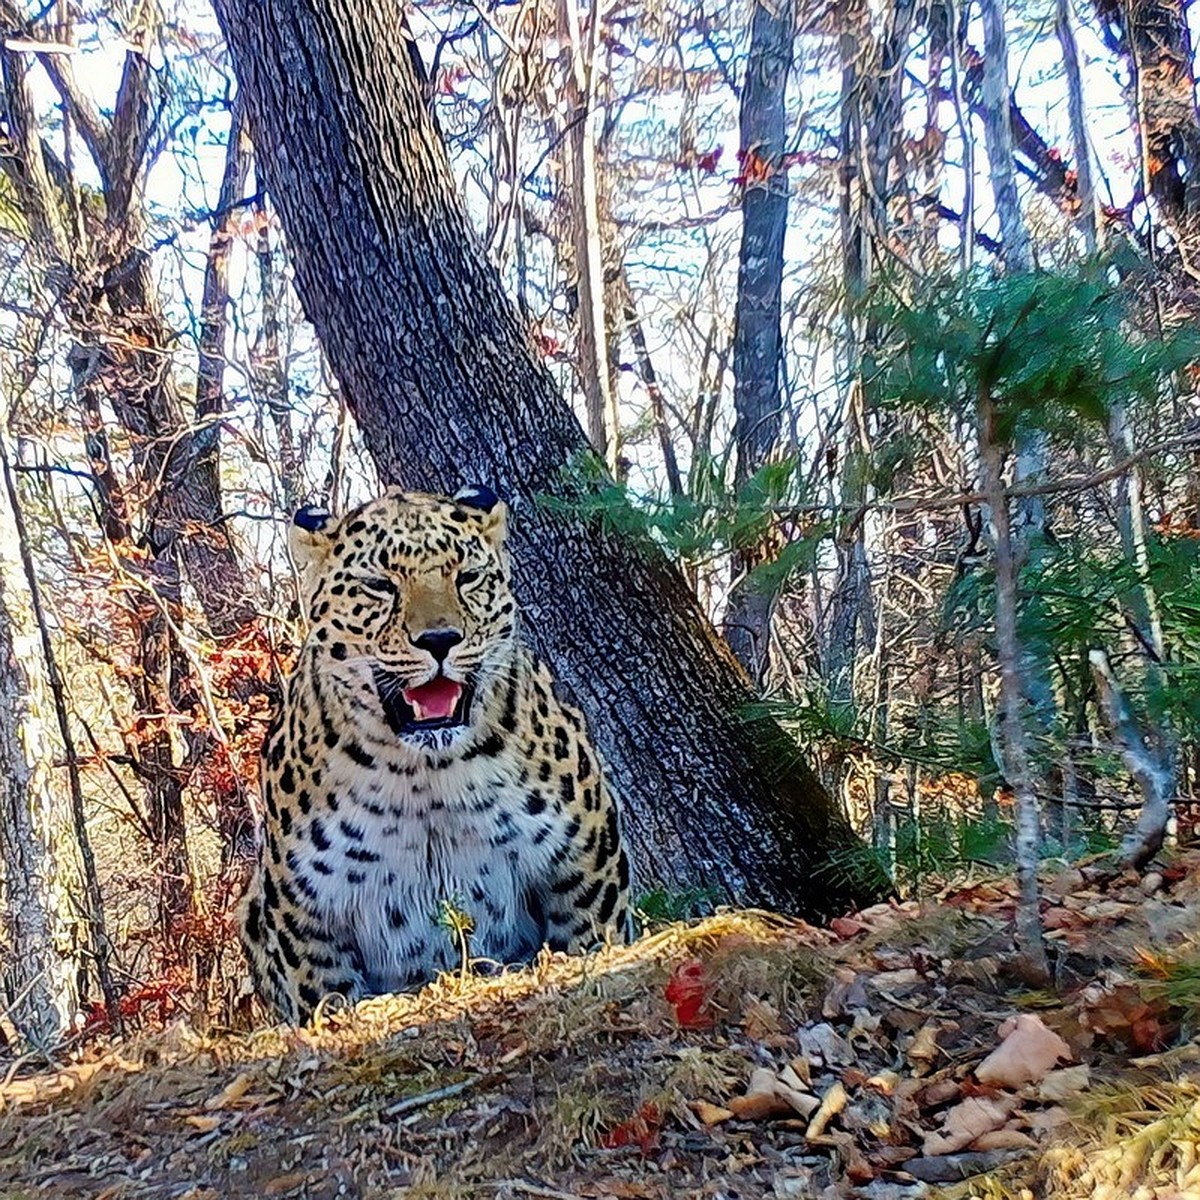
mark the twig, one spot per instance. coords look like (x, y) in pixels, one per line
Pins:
(409, 1103)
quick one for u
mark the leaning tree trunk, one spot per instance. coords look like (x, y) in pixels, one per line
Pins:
(444, 383)
(758, 338)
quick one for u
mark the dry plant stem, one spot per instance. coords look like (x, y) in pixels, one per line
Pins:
(1014, 748)
(1150, 761)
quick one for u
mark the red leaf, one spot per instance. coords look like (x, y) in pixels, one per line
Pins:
(640, 1130)
(687, 990)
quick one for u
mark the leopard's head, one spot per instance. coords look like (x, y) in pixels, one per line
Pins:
(410, 608)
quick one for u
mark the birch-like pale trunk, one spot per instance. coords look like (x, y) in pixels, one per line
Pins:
(1150, 755)
(1014, 744)
(1064, 27)
(44, 917)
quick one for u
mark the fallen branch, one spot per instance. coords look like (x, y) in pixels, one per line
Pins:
(409, 1103)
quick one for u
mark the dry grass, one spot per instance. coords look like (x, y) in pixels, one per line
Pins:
(574, 1079)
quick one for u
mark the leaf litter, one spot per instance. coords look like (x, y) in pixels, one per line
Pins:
(741, 1056)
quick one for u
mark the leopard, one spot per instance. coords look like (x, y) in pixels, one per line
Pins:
(427, 797)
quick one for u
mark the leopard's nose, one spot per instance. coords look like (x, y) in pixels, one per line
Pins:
(439, 642)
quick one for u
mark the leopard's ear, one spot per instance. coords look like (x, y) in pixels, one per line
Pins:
(481, 497)
(309, 540)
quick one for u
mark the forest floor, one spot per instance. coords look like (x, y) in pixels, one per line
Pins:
(736, 1057)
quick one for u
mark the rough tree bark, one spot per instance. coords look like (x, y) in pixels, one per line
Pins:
(42, 966)
(758, 338)
(443, 381)
(1153, 35)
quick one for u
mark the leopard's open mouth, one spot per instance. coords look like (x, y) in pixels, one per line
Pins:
(439, 703)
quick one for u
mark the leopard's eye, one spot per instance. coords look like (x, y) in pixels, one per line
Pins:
(376, 583)
(466, 578)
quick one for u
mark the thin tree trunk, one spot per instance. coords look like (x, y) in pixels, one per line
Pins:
(436, 366)
(998, 137)
(1150, 755)
(850, 594)
(582, 186)
(1030, 449)
(1150, 758)
(49, 870)
(871, 96)
(1010, 655)
(1065, 29)
(758, 337)
(649, 378)
(267, 365)
(43, 965)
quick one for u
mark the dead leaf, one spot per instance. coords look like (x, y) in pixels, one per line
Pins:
(847, 927)
(1116, 1009)
(822, 1045)
(884, 1082)
(846, 993)
(1064, 1084)
(832, 1103)
(800, 1066)
(206, 1124)
(760, 1020)
(1027, 1054)
(923, 1051)
(1049, 1119)
(286, 1183)
(966, 1121)
(231, 1093)
(768, 1096)
(1004, 1139)
(791, 1079)
(938, 1092)
(711, 1114)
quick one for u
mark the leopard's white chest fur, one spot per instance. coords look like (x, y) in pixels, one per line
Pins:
(414, 851)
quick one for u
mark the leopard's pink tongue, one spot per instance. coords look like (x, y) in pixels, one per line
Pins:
(435, 700)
